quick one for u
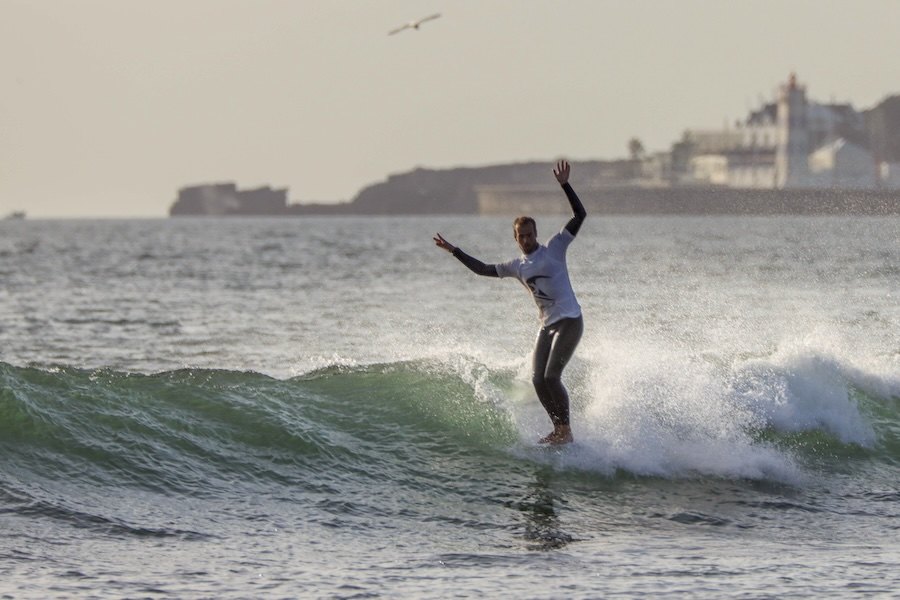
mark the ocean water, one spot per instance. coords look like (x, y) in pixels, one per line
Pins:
(334, 408)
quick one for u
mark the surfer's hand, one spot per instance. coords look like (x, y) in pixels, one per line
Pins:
(561, 172)
(440, 242)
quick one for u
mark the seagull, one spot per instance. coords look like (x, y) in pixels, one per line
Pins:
(414, 24)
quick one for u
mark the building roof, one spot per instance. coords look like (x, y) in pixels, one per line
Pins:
(835, 143)
(764, 116)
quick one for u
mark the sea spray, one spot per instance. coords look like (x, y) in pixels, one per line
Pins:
(651, 410)
(801, 392)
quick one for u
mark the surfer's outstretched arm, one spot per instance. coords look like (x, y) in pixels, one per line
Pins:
(561, 172)
(475, 265)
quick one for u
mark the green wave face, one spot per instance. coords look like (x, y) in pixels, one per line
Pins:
(199, 432)
(187, 431)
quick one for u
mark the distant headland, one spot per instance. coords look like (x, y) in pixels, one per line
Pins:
(792, 155)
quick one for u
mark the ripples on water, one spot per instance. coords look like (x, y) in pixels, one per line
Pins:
(334, 408)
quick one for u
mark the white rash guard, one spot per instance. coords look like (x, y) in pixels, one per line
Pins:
(545, 274)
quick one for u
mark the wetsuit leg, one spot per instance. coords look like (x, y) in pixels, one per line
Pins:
(539, 366)
(554, 347)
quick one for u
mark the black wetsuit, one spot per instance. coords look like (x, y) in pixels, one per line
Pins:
(559, 336)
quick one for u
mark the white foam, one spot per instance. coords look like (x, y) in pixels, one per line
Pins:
(658, 411)
(803, 390)
(667, 410)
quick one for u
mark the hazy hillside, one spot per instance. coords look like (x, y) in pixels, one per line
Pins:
(452, 191)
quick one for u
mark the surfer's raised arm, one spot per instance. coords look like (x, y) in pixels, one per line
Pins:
(561, 172)
(475, 265)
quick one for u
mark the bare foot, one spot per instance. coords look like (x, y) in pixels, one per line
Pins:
(562, 434)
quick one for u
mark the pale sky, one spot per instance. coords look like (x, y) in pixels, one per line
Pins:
(107, 107)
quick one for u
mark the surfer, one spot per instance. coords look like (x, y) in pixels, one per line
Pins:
(542, 269)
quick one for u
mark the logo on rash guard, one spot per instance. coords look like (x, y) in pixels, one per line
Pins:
(538, 292)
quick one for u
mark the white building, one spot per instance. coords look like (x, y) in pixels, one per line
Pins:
(890, 175)
(842, 164)
(742, 157)
(710, 169)
(752, 164)
(791, 143)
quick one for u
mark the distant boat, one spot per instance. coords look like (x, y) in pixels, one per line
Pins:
(16, 215)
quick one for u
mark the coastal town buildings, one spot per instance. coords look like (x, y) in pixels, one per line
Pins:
(791, 143)
(791, 155)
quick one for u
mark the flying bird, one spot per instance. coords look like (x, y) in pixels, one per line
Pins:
(414, 24)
